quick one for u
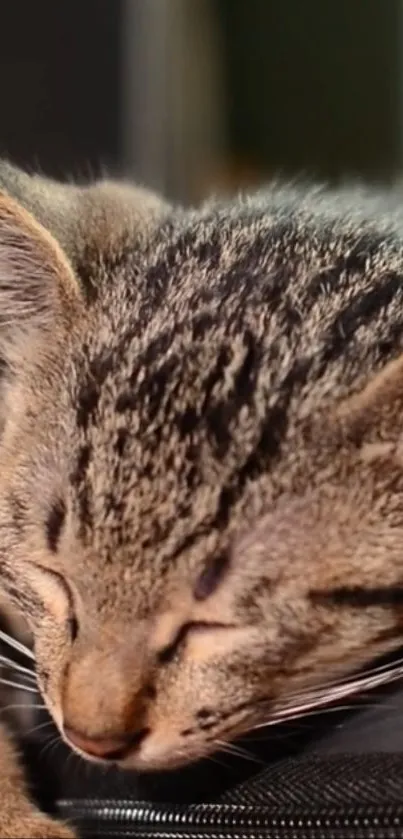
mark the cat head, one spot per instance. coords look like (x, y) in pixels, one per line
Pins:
(170, 612)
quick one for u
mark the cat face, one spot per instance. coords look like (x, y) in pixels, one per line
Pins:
(155, 670)
(184, 574)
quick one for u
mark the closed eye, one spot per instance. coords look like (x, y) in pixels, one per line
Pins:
(168, 653)
(72, 621)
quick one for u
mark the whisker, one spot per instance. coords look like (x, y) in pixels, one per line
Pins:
(317, 698)
(354, 677)
(38, 706)
(299, 712)
(9, 662)
(40, 726)
(77, 760)
(293, 717)
(18, 686)
(345, 688)
(17, 645)
(26, 679)
(23, 706)
(236, 751)
(369, 682)
(312, 713)
(49, 746)
(214, 759)
(378, 668)
(54, 746)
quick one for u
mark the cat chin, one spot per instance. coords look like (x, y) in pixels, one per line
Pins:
(158, 754)
(165, 751)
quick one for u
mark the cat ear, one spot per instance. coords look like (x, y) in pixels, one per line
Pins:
(87, 221)
(38, 289)
(321, 512)
(375, 413)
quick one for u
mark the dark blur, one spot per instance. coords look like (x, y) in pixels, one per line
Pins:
(191, 96)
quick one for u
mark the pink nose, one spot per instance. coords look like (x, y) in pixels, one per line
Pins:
(107, 748)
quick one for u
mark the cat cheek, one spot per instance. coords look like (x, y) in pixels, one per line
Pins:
(201, 646)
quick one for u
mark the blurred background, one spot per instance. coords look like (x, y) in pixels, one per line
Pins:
(190, 96)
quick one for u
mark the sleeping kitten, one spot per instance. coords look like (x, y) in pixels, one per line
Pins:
(201, 461)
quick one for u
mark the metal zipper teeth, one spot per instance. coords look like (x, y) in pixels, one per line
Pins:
(272, 833)
(226, 821)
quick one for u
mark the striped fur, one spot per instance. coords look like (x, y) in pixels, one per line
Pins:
(210, 403)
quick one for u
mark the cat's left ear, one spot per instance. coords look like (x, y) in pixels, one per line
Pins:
(367, 425)
(318, 516)
(375, 414)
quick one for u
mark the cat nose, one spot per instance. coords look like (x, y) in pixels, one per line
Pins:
(107, 748)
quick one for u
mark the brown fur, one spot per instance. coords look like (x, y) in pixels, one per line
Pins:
(201, 457)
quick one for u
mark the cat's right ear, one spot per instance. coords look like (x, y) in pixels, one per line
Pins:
(92, 223)
(39, 294)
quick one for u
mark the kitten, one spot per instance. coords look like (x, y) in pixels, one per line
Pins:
(201, 492)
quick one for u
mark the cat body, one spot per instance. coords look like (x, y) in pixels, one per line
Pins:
(201, 489)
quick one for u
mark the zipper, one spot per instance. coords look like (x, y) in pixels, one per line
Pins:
(113, 818)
